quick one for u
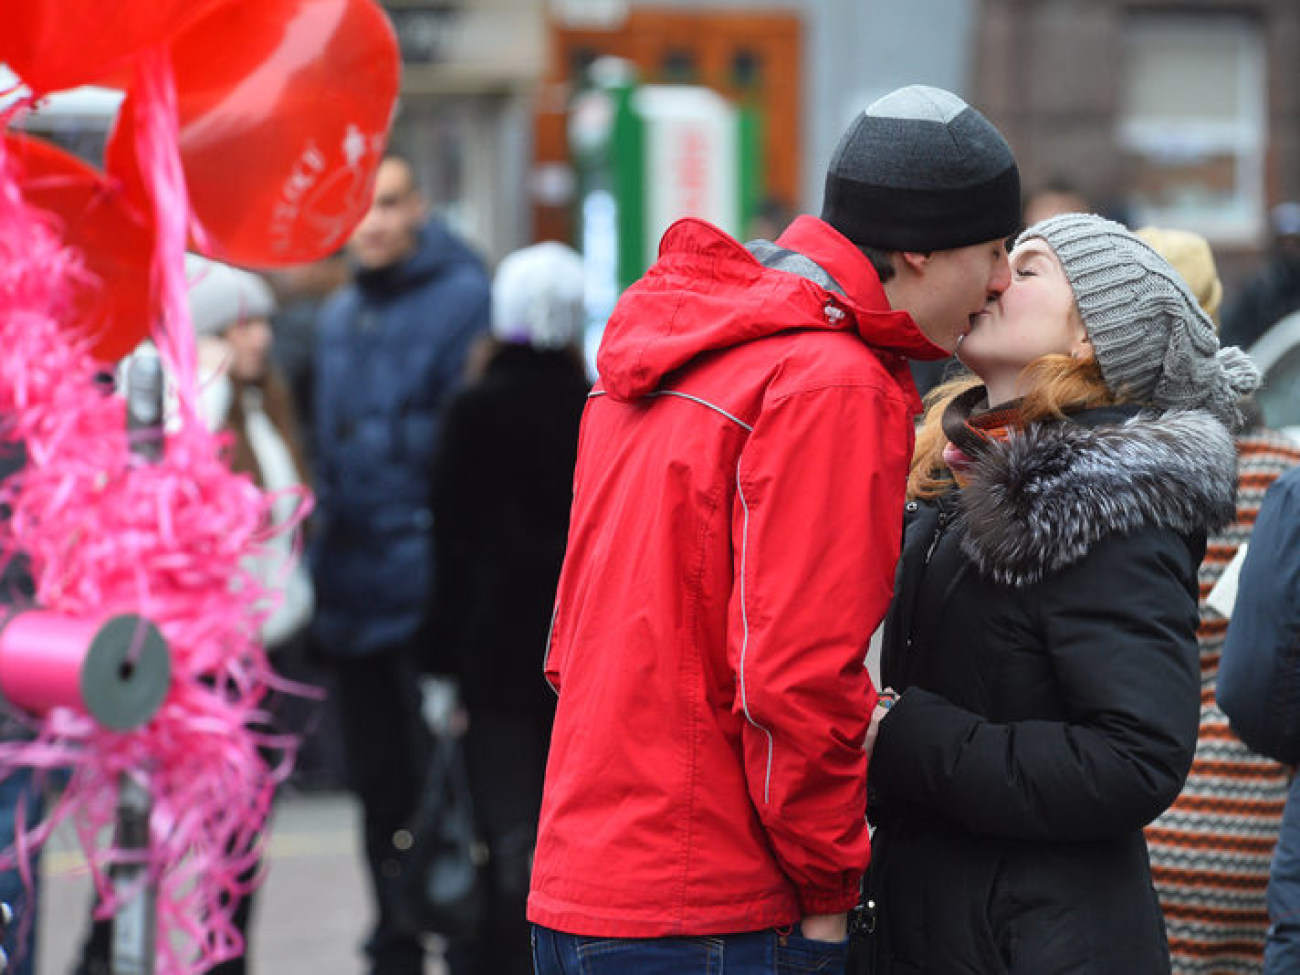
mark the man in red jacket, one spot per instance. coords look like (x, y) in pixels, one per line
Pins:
(736, 520)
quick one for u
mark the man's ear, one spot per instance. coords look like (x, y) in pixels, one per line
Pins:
(915, 261)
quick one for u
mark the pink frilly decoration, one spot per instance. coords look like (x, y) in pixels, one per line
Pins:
(106, 531)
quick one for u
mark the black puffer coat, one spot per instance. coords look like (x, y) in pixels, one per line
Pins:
(503, 484)
(1043, 631)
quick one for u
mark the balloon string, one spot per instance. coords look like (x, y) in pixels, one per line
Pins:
(157, 144)
(171, 540)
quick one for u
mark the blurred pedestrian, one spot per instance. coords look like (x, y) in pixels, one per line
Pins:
(503, 485)
(21, 794)
(1056, 196)
(300, 290)
(770, 218)
(1274, 290)
(242, 393)
(1257, 690)
(736, 520)
(1210, 850)
(1043, 629)
(390, 349)
(21, 791)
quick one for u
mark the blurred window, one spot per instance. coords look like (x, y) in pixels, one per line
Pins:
(457, 144)
(1192, 123)
(678, 67)
(747, 69)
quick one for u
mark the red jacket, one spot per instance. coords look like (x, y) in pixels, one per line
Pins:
(736, 520)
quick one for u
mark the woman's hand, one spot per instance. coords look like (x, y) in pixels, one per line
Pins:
(883, 703)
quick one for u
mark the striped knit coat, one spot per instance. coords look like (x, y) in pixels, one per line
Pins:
(1210, 851)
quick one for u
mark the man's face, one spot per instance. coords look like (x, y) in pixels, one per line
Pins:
(388, 233)
(957, 286)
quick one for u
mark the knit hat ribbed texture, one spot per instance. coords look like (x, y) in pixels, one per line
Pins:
(920, 170)
(220, 295)
(1151, 337)
(1191, 256)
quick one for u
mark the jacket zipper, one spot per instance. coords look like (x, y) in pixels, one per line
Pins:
(938, 534)
(909, 641)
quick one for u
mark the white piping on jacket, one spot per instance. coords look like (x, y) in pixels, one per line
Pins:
(687, 396)
(744, 551)
(744, 643)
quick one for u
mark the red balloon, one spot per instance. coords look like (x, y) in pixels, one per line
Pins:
(114, 239)
(282, 130)
(56, 44)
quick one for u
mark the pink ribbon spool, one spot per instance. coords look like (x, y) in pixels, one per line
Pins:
(116, 670)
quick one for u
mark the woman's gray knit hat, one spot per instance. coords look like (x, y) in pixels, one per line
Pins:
(1152, 340)
(220, 295)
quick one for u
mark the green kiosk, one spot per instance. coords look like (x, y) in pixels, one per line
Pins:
(644, 156)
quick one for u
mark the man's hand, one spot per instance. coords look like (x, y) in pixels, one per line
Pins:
(825, 927)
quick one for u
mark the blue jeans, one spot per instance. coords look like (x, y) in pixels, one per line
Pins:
(756, 953)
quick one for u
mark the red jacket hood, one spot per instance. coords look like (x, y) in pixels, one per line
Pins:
(707, 292)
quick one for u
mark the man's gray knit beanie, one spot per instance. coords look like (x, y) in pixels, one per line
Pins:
(1152, 340)
(920, 170)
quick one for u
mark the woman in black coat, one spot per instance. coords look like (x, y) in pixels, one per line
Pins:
(1043, 632)
(502, 489)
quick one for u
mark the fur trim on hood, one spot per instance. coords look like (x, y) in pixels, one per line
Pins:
(1038, 501)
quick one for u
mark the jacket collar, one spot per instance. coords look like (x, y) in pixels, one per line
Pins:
(706, 292)
(878, 324)
(436, 250)
(1039, 501)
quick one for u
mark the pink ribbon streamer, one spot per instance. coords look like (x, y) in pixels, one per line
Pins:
(105, 531)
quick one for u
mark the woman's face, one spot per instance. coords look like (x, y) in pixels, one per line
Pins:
(250, 344)
(1035, 316)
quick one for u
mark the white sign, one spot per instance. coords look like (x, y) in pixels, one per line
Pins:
(590, 14)
(691, 159)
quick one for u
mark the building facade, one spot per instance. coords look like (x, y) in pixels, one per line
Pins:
(1181, 112)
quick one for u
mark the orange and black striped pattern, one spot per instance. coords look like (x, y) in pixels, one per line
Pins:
(1211, 850)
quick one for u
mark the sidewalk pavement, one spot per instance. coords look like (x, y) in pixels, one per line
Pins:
(310, 916)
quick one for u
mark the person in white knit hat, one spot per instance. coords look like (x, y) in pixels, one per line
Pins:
(1041, 645)
(501, 498)
(241, 391)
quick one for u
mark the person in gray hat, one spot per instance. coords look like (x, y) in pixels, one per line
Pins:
(242, 393)
(736, 519)
(1041, 647)
(1273, 291)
